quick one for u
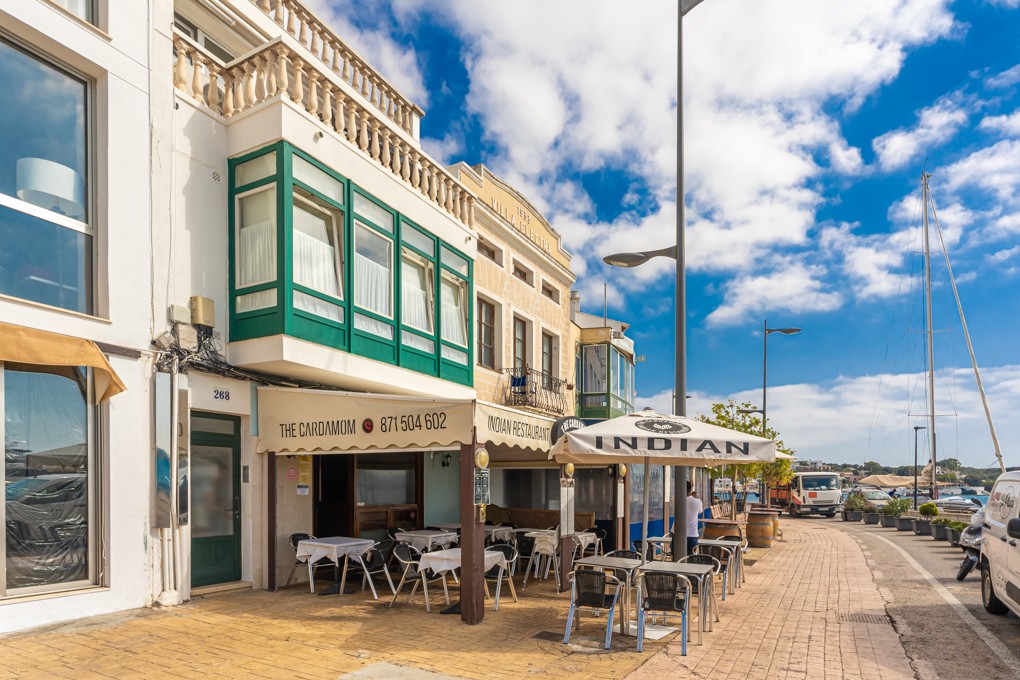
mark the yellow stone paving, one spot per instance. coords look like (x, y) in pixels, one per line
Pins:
(781, 624)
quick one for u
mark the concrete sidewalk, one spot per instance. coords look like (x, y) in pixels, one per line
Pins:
(809, 609)
(803, 613)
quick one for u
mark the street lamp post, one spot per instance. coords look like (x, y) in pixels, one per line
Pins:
(916, 428)
(765, 365)
(679, 253)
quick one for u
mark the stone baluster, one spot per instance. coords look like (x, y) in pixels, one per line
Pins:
(341, 116)
(387, 143)
(271, 69)
(278, 12)
(374, 149)
(364, 80)
(405, 168)
(303, 33)
(398, 149)
(317, 42)
(213, 97)
(261, 93)
(469, 212)
(426, 174)
(346, 74)
(327, 104)
(456, 201)
(363, 130)
(292, 21)
(298, 96)
(433, 184)
(336, 58)
(283, 73)
(249, 84)
(448, 191)
(263, 5)
(415, 170)
(228, 94)
(238, 87)
(313, 94)
(181, 70)
(352, 129)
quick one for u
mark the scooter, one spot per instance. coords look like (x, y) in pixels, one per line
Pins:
(970, 541)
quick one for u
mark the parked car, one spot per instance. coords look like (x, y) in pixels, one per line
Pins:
(1000, 550)
(876, 497)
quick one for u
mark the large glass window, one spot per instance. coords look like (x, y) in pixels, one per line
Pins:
(373, 263)
(417, 294)
(45, 225)
(548, 360)
(453, 304)
(520, 342)
(317, 254)
(386, 479)
(486, 334)
(256, 246)
(49, 542)
(595, 359)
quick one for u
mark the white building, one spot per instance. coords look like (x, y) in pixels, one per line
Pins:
(75, 252)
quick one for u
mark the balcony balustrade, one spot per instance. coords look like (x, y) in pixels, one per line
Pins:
(276, 71)
(528, 388)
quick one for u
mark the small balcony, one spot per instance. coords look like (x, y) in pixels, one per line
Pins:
(528, 388)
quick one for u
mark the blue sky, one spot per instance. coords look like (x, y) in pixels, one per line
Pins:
(807, 125)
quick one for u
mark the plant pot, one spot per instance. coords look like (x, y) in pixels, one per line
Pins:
(871, 517)
(854, 515)
(922, 527)
(940, 532)
(904, 524)
(843, 515)
(888, 521)
(954, 537)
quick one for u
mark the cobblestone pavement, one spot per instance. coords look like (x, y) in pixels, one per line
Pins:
(809, 609)
(793, 618)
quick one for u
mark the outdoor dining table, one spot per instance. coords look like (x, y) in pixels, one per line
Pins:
(424, 539)
(624, 564)
(494, 531)
(449, 560)
(734, 548)
(312, 550)
(706, 581)
(660, 543)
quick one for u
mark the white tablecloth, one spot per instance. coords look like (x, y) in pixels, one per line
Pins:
(493, 531)
(423, 539)
(314, 549)
(449, 559)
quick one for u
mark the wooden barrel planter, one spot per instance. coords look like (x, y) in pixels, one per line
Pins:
(760, 533)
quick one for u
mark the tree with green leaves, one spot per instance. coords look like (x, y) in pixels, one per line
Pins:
(776, 473)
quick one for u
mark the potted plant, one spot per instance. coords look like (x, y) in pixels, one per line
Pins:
(871, 514)
(853, 509)
(940, 529)
(922, 526)
(892, 510)
(955, 529)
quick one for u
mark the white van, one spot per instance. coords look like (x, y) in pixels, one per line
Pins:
(1000, 547)
(809, 492)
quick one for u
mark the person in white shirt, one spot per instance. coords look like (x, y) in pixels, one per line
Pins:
(694, 508)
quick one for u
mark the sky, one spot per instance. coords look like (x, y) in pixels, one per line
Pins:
(807, 124)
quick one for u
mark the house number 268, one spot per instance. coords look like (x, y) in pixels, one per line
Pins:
(222, 395)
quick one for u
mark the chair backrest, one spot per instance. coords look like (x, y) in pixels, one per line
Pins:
(590, 588)
(509, 552)
(626, 554)
(525, 544)
(600, 532)
(406, 553)
(703, 559)
(720, 554)
(381, 552)
(664, 591)
(297, 538)
(733, 537)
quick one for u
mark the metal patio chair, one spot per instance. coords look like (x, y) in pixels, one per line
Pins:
(375, 561)
(594, 590)
(319, 564)
(409, 557)
(510, 553)
(696, 586)
(666, 594)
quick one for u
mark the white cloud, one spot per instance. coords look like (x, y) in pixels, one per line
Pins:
(1006, 124)
(1007, 78)
(993, 169)
(935, 125)
(446, 150)
(1003, 255)
(794, 288)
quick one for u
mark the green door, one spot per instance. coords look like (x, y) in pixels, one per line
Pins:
(215, 499)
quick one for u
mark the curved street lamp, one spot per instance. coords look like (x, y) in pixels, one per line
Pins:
(765, 364)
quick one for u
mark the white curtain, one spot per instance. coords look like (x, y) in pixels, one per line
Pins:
(595, 368)
(415, 300)
(372, 274)
(315, 263)
(454, 313)
(256, 254)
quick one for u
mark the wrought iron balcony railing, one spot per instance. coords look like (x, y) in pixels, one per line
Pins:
(529, 388)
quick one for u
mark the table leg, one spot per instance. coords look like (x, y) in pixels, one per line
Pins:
(311, 575)
(499, 586)
(343, 577)
(702, 608)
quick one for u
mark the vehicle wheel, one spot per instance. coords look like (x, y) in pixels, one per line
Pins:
(830, 514)
(993, 605)
(792, 510)
(965, 568)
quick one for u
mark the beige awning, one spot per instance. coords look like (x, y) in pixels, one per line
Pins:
(513, 436)
(302, 420)
(22, 345)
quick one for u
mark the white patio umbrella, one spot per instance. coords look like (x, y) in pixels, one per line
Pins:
(657, 438)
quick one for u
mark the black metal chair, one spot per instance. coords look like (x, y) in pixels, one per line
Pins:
(666, 594)
(525, 549)
(595, 590)
(375, 560)
(698, 558)
(722, 556)
(322, 562)
(597, 548)
(510, 553)
(409, 557)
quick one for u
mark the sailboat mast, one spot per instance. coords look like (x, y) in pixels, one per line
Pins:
(930, 338)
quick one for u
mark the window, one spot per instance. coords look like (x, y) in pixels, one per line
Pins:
(523, 273)
(417, 294)
(49, 477)
(595, 359)
(548, 360)
(317, 255)
(550, 292)
(454, 309)
(198, 35)
(373, 254)
(520, 342)
(491, 252)
(45, 184)
(256, 247)
(486, 334)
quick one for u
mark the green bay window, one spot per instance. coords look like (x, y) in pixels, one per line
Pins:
(317, 258)
(46, 224)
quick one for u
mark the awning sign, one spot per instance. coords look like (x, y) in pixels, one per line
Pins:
(508, 427)
(292, 420)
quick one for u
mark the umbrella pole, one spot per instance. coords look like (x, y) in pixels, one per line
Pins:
(733, 494)
(644, 515)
